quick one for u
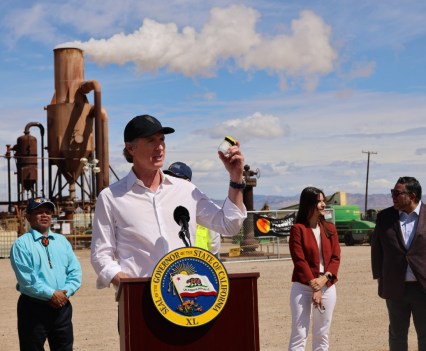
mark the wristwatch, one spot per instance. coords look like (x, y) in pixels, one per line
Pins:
(329, 276)
(235, 185)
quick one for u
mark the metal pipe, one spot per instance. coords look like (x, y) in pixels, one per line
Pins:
(27, 131)
(50, 179)
(101, 134)
(9, 190)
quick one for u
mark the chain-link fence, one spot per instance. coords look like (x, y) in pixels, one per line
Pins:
(78, 231)
(9, 228)
(271, 242)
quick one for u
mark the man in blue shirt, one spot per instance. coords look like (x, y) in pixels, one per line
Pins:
(48, 273)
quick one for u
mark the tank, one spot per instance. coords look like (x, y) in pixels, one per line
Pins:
(26, 161)
(69, 116)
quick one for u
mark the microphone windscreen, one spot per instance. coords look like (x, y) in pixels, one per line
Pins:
(180, 213)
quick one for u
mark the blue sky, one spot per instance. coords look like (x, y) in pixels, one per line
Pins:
(306, 86)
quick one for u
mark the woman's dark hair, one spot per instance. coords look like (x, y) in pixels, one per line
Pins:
(412, 185)
(307, 204)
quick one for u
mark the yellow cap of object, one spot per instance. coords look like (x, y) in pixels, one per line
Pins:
(230, 140)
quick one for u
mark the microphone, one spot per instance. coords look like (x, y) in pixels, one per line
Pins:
(181, 216)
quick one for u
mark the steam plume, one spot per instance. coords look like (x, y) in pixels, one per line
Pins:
(229, 35)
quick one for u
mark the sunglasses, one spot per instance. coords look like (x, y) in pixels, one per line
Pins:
(396, 193)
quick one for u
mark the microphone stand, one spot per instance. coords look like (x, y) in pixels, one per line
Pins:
(183, 233)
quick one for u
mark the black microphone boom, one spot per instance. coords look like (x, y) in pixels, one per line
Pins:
(181, 216)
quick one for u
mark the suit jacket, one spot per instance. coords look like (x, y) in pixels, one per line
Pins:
(390, 257)
(305, 253)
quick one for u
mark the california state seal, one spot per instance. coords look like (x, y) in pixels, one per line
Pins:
(189, 286)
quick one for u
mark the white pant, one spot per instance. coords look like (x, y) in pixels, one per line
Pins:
(301, 311)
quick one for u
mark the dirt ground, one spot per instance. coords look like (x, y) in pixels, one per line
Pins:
(359, 321)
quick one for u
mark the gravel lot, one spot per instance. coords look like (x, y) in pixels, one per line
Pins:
(359, 322)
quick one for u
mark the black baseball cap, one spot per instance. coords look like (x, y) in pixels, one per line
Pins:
(39, 201)
(179, 170)
(144, 126)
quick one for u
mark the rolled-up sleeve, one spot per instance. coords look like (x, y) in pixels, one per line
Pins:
(226, 220)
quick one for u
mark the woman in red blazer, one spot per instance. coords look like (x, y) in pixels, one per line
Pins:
(315, 251)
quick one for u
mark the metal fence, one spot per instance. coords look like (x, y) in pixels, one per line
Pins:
(243, 246)
(247, 246)
(9, 227)
(78, 231)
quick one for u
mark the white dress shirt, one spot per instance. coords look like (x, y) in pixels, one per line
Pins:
(133, 226)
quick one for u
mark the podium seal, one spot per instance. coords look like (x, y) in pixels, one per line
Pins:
(189, 286)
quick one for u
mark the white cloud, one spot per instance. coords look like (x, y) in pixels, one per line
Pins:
(29, 22)
(361, 70)
(256, 126)
(382, 183)
(306, 51)
(328, 129)
(202, 166)
(229, 34)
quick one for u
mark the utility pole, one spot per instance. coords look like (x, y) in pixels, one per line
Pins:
(366, 182)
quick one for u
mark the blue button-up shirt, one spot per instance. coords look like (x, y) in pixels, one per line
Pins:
(30, 261)
(408, 224)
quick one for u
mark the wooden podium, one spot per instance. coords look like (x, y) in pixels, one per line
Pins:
(142, 328)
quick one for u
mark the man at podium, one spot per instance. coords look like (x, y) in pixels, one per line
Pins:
(134, 224)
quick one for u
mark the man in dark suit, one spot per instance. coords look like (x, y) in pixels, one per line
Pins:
(398, 260)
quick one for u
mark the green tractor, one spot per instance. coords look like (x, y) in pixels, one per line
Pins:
(351, 228)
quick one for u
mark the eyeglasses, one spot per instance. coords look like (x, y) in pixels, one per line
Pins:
(396, 193)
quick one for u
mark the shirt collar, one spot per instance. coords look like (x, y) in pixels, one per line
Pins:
(417, 209)
(168, 179)
(37, 235)
(402, 214)
(132, 179)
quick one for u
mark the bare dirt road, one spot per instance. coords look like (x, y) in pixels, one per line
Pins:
(359, 322)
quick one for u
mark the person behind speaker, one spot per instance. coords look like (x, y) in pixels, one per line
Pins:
(204, 237)
(133, 226)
